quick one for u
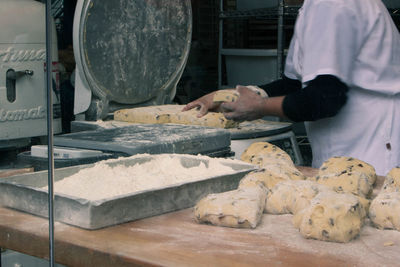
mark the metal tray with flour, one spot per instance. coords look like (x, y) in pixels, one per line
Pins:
(25, 193)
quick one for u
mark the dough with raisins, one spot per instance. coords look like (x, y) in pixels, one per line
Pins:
(331, 217)
(241, 208)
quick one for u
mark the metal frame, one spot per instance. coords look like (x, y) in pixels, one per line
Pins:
(50, 133)
(281, 12)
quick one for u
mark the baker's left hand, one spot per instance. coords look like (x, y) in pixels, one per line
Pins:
(249, 106)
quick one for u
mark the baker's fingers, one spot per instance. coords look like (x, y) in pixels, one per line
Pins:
(191, 105)
(228, 115)
(241, 87)
(233, 116)
(228, 106)
(245, 90)
(202, 111)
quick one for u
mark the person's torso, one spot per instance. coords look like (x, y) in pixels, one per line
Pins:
(368, 126)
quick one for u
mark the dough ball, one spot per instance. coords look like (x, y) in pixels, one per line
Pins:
(392, 181)
(231, 95)
(349, 182)
(269, 159)
(257, 178)
(384, 211)
(340, 165)
(292, 196)
(226, 95)
(257, 90)
(241, 208)
(271, 175)
(365, 204)
(262, 153)
(331, 217)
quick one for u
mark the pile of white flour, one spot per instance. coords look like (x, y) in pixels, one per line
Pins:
(102, 181)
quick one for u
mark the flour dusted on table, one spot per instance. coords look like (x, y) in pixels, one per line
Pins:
(107, 179)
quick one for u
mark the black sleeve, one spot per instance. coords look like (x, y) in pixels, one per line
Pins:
(322, 98)
(281, 87)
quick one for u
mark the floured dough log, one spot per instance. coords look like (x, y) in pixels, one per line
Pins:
(271, 175)
(392, 181)
(341, 165)
(172, 114)
(331, 217)
(385, 211)
(292, 196)
(231, 95)
(152, 114)
(211, 119)
(241, 208)
(263, 153)
(348, 182)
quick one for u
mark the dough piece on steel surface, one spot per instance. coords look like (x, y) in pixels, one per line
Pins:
(226, 95)
(257, 90)
(331, 217)
(172, 114)
(151, 115)
(231, 95)
(211, 119)
(240, 208)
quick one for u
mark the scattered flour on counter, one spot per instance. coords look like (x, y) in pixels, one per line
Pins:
(104, 181)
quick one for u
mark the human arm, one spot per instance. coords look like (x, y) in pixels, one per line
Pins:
(281, 87)
(323, 97)
(204, 104)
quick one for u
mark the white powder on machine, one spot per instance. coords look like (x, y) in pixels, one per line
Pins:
(105, 180)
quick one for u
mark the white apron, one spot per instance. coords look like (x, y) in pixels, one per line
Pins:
(356, 41)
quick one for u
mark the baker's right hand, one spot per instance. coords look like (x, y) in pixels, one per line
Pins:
(204, 104)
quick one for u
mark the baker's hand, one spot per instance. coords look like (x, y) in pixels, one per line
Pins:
(249, 106)
(204, 104)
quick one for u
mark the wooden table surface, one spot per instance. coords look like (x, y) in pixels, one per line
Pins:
(175, 239)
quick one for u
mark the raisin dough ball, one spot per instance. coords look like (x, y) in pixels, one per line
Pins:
(292, 196)
(241, 208)
(226, 95)
(347, 182)
(331, 217)
(262, 153)
(342, 165)
(270, 176)
(385, 211)
(231, 95)
(392, 181)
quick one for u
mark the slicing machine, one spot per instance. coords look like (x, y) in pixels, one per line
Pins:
(22, 74)
(128, 53)
(132, 53)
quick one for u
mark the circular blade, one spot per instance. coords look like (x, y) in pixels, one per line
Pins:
(133, 50)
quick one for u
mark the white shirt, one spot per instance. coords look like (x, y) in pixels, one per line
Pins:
(356, 41)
